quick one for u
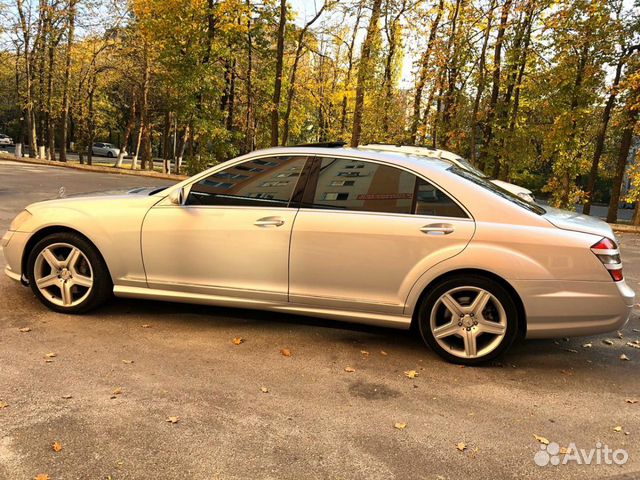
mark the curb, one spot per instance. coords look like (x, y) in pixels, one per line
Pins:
(617, 227)
(94, 168)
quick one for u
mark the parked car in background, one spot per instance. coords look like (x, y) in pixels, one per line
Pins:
(522, 192)
(343, 233)
(5, 139)
(105, 150)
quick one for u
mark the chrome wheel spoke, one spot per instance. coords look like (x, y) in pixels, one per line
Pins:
(82, 281)
(493, 328)
(72, 259)
(67, 297)
(51, 259)
(480, 302)
(452, 305)
(446, 330)
(470, 345)
(48, 281)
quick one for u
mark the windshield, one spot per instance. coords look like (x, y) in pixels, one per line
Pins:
(484, 183)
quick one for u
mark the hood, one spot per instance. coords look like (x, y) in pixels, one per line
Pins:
(577, 222)
(134, 191)
(510, 187)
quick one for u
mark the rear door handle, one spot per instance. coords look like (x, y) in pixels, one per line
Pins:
(438, 229)
(269, 222)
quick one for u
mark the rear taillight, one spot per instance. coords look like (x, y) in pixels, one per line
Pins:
(607, 252)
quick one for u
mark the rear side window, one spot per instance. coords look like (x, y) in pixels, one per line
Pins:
(355, 185)
(257, 183)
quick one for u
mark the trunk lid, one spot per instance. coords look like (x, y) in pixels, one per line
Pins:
(577, 222)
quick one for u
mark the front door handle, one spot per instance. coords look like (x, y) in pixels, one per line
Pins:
(269, 222)
(438, 229)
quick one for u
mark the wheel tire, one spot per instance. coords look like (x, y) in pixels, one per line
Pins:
(109, 155)
(99, 292)
(460, 284)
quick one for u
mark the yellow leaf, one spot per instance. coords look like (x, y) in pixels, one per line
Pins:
(67, 397)
(541, 439)
(349, 369)
(41, 476)
(25, 329)
(57, 446)
(117, 391)
(364, 352)
(400, 425)
(172, 419)
(51, 355)
(411, 374)
(617, 429)
(630, 400)
(285, 352)
(564, 450)
(382, 352)
(624, 357)
(461, 446)
(146, 325)
(264, 390)
(238, 340)
(3, 405)
(128, 362)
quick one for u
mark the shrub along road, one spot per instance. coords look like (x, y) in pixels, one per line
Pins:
(107, 388)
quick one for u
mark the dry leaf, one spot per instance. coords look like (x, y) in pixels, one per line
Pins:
(349, 369)
(264, 389)
(382, 352)
(630, 400)
(48, 360)
(564, 450)
(633, 345)
(25, 329)
(172, 419)
(285, 352)
(617, 429)
(411, 374)
(587, 345)
(67, 397)
(541, 439)
(237, 340)
(41, 476)
(146, 325)
(364, 352)
(51, 355)
(637, 330)
(57, 446)
(607, 342)
(461, 446)
(128, 362)
(400, 425)
(117, 391)
(620, 335)
(3, 405)
(570, 350)
(624, 357)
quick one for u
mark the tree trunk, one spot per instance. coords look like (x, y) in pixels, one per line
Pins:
(621, 165)
(277, 87)
(64, 121)
(347, 81)
(425, 63)
(363, 71)
(602, 131)
(452, 70)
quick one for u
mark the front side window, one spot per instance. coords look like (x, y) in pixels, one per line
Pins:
(377, 188)
(244, 185)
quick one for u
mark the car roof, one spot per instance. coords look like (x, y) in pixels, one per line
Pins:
(408, 160)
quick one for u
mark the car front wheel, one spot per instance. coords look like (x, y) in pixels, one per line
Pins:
(67, 274)
(468, 319)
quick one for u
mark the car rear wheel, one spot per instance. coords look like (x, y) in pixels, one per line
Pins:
(67, 274)
(109, 155)
(468, 319)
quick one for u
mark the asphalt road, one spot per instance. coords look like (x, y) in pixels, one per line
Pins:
(316, 420)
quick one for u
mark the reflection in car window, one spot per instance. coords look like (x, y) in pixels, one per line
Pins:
(377, 188)
(532, 207)
(248, 185)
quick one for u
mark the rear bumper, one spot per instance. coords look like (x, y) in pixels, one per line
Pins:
(566, 308)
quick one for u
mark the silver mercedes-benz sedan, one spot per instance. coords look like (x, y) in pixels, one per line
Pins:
(348, 234)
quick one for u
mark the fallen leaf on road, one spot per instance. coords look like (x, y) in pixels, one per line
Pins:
(566, 372)
(400, 425)
(264, 389)
(607, 342)
(624, 357)
(238, 340)
(349, 369)
(285, 352)
(3, 405)
(172, 419)
(67, 397)
(617, 429)
(620, 335)
(25, 329)
(411, 374)
(117, 391)
(631, 400)
(542, 440)
(382, 352)
(146, 325)
(48, 360)
(364, 352)
(633, 345)
(41, 476)
(128, 362)
(51, 355)
(564, 450)
(637, 330)
(461, 446)
(57, 446)
(570, 350)
(587, 345)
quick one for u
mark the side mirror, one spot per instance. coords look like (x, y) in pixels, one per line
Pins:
(177, 197)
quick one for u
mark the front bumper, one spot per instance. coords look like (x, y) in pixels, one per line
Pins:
(13, 245)
(572, 308)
